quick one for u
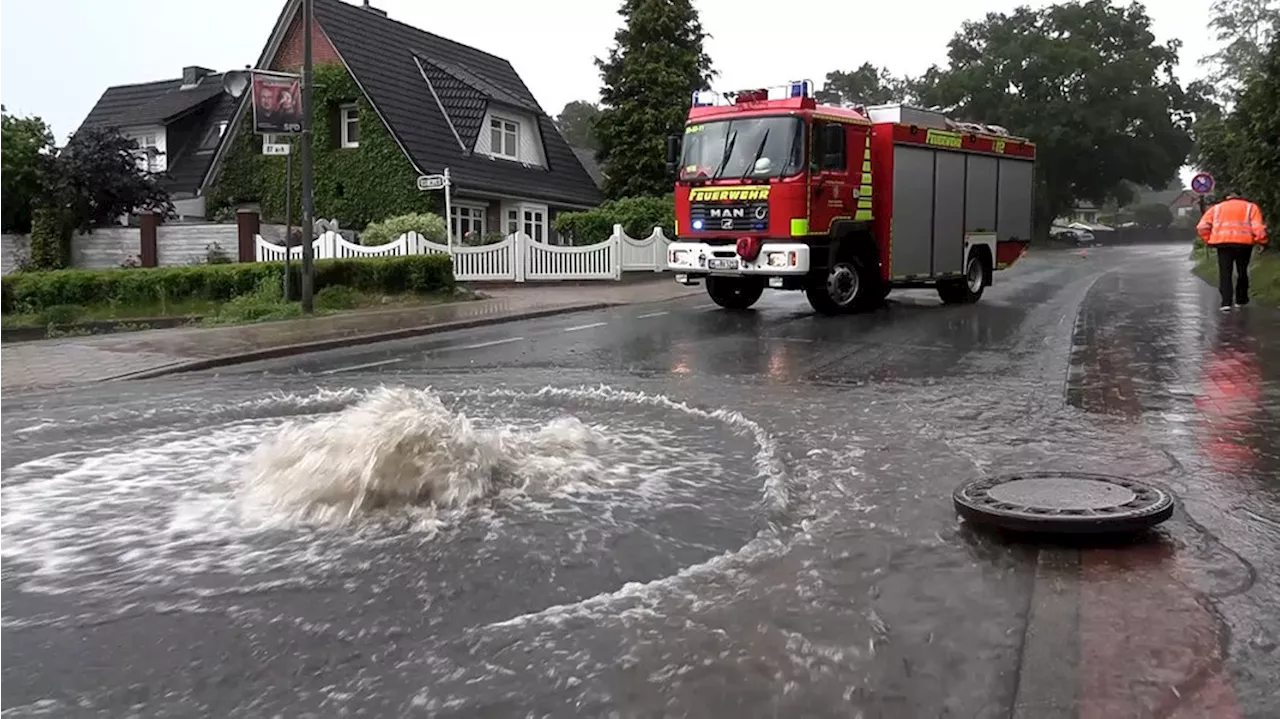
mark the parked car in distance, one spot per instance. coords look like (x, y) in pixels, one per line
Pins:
(1079, 237)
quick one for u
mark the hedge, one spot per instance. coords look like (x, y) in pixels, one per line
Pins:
(31, 292)
(637, 215)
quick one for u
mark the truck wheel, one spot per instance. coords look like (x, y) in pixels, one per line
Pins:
(968, 289)
(735, 293)
(846, 287)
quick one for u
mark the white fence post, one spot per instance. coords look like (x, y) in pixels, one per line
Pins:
(519, 257)
(660, 243)
(617, 250)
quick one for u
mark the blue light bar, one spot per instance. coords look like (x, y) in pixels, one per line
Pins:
(800, 88)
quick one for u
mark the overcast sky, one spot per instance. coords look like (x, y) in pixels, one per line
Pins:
(57, 56)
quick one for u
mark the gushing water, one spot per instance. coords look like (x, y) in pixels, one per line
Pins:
(297, 488)
(402, 448)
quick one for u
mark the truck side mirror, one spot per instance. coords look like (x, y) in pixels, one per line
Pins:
(673, 152)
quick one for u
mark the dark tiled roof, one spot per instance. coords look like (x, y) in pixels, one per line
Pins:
(380, 52)
(590, 164)
(152, 103)
(188, 165)
(464, 104)
(163, 103)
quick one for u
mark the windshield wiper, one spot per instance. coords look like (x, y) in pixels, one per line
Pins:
(751, 168)
(729, 141)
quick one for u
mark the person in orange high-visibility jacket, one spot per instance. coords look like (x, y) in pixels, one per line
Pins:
(1233, 227)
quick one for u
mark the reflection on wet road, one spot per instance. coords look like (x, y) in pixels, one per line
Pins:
(752, 517)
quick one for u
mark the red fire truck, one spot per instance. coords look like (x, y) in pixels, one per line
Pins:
(844, 203)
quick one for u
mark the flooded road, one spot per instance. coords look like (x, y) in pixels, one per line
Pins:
(665, 510)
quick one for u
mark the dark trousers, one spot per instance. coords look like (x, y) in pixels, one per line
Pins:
(1232, 256)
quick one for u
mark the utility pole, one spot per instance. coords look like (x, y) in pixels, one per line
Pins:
(308, 200)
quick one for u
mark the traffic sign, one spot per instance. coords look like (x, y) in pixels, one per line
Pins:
(1202, 183)
(276, 149)
(432, 182)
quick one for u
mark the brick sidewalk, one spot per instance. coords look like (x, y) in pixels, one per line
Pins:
(50, 364)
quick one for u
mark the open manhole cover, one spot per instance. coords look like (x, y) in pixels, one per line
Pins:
(1063, 503)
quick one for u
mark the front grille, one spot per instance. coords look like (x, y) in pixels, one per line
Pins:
(730, 216)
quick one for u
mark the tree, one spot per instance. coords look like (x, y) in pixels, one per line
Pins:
(26, 151)
(576, 123)
(868, 85)
(1153, 214)
(1086, 81)
(655, 65)
(1253, 136)
(97, 177)
(1244, 28)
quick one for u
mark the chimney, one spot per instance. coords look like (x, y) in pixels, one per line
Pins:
(373, 9)
(193, 74)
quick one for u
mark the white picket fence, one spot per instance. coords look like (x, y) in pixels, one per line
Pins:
(516, 258)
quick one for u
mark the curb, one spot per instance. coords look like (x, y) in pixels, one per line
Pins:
(35, 333)
(340, 342)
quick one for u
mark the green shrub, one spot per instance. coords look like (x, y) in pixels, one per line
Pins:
(31, 292)
(265, 302)
(50, 240)
(60, 315)
(637, 215)
(337, 297)
(389, 230)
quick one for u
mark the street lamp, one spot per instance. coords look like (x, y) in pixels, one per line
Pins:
(308, 200)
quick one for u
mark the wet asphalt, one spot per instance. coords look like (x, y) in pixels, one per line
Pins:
(782, 544)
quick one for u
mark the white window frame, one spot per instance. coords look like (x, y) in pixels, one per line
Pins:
(152, 162)
(506, 128)
(475, 215)
(537, 229)
(348, 114)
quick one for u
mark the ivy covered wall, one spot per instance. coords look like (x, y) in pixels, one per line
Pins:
(356, 185)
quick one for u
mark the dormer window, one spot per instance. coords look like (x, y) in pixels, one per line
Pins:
(504, 138)
(213, 136)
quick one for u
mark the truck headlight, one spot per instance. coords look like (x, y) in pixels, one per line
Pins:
(681, 257)
(777, 259)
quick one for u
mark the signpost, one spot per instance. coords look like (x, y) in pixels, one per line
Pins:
(430, 183)
(1202, 184)
(281, 104)
(271, 145)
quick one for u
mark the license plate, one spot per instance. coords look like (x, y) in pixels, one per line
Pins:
(716, 263)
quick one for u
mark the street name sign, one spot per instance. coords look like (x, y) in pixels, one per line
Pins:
(432, 182)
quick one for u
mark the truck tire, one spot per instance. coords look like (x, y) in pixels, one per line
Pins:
(846, 287)
(735, 293)
(967, 290)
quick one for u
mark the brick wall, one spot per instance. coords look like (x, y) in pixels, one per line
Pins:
(289, 56)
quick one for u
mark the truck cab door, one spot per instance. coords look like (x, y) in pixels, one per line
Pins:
(830, 182)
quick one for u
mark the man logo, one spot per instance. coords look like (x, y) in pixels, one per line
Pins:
(715, 212)
(726, 223)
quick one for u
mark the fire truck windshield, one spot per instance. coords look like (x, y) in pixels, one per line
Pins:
(750, 148)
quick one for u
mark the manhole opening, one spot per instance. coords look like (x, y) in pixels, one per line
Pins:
(1053, 501)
